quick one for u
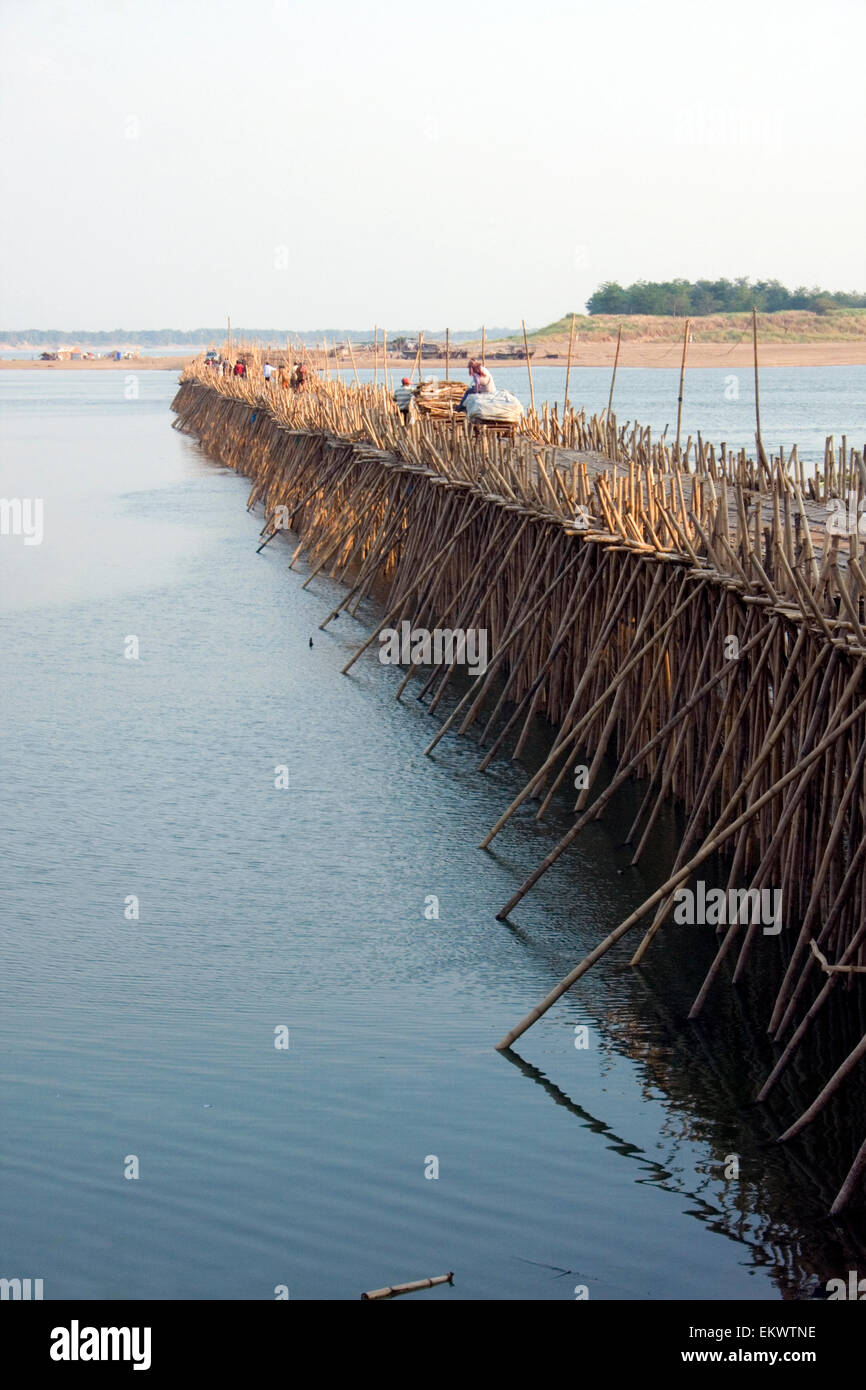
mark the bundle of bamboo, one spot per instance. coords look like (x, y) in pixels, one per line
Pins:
(437, 399)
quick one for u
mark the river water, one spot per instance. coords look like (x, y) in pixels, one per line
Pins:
(147, 784)
(799, 405)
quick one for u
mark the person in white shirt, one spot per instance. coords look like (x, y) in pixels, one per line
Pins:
(482, 381)
(267, 370)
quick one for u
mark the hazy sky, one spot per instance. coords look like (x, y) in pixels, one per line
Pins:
(332, 163)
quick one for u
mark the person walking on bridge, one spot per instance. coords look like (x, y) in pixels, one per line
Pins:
(404, 399)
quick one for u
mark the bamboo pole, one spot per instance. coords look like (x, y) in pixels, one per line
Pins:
(709, 847)
(855, 1056)
(394, 1290)
(680, 394)
(416, 365)
(849, 1186)
(437, 558)
(613, 376)
(528, 366)
(625, 771)
(568, 367)
(352, 358)
(761, 455)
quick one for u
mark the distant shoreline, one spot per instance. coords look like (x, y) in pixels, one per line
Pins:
(98, 364)
(658, 354)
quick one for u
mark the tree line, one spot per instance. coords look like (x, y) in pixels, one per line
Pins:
(700, 297)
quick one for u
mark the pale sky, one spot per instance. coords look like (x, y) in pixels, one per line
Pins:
(314, 165)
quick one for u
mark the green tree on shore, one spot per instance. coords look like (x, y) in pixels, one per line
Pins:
(701, 297)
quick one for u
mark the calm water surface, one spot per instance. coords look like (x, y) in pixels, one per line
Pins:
(304, 908)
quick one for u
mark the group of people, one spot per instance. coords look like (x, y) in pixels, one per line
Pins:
(480, 383)
(224, 366)
(294, 378)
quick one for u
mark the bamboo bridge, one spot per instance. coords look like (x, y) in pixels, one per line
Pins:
(685, 618)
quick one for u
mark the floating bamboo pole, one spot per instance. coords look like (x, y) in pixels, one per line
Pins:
(394, 1290)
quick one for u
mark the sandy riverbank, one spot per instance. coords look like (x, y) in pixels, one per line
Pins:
(666, 354)
(98, 364)
(716, 355)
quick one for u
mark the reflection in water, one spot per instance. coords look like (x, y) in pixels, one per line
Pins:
(731, 1208)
